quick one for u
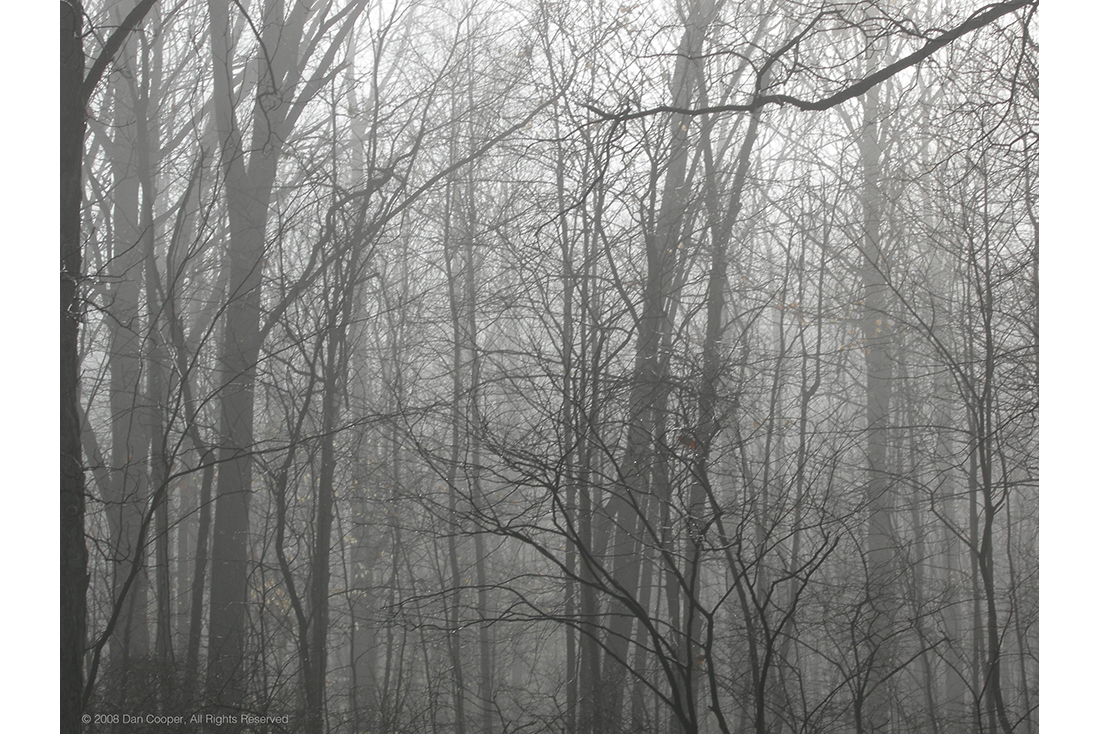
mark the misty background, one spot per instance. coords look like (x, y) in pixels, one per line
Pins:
(552, 367)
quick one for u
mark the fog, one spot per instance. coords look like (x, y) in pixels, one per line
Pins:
(478, 367)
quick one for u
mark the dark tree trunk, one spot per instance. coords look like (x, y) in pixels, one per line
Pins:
(247, 192)
(280, 97)
(74, 553)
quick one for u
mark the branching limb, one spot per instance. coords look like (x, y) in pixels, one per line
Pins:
(978, 20)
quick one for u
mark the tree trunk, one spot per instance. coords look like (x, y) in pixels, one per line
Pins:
(129, 437)
(574, 438)
(156, 422)
(206, 456)
(454, 633)
(650, 385)
(877, 337)
(322, 539)
(702, 493)
(74, 552)
(588, 399)
(473, 428)
(248, 193)
(280, 98)
(346, 276)
(986, 435)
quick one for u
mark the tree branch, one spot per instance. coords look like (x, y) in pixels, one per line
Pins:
(114, 43)
(974, 22)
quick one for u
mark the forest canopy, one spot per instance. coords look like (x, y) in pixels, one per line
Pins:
(550, 366)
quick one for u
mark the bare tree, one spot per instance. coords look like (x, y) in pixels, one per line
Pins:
(584, 367)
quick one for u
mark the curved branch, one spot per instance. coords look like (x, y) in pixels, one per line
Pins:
(974, 22)
(114, 43)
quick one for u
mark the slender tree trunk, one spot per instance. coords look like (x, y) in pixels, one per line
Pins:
(198, 579)
(452, 475)
(207, 456)
(877, 337)
(147, 147)
(650, 386)
(918, 557)
(987, 434)
(322, 542)
(184, 563)
(639, 690)
(473, 429)
(1017, 615)
(129, 419)
(588, 400)
(977, 626)
(363, 648)
(954, 684)
(807, 391)
(574, 437)
(345, 279)
(723, 216)
(588, 671)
